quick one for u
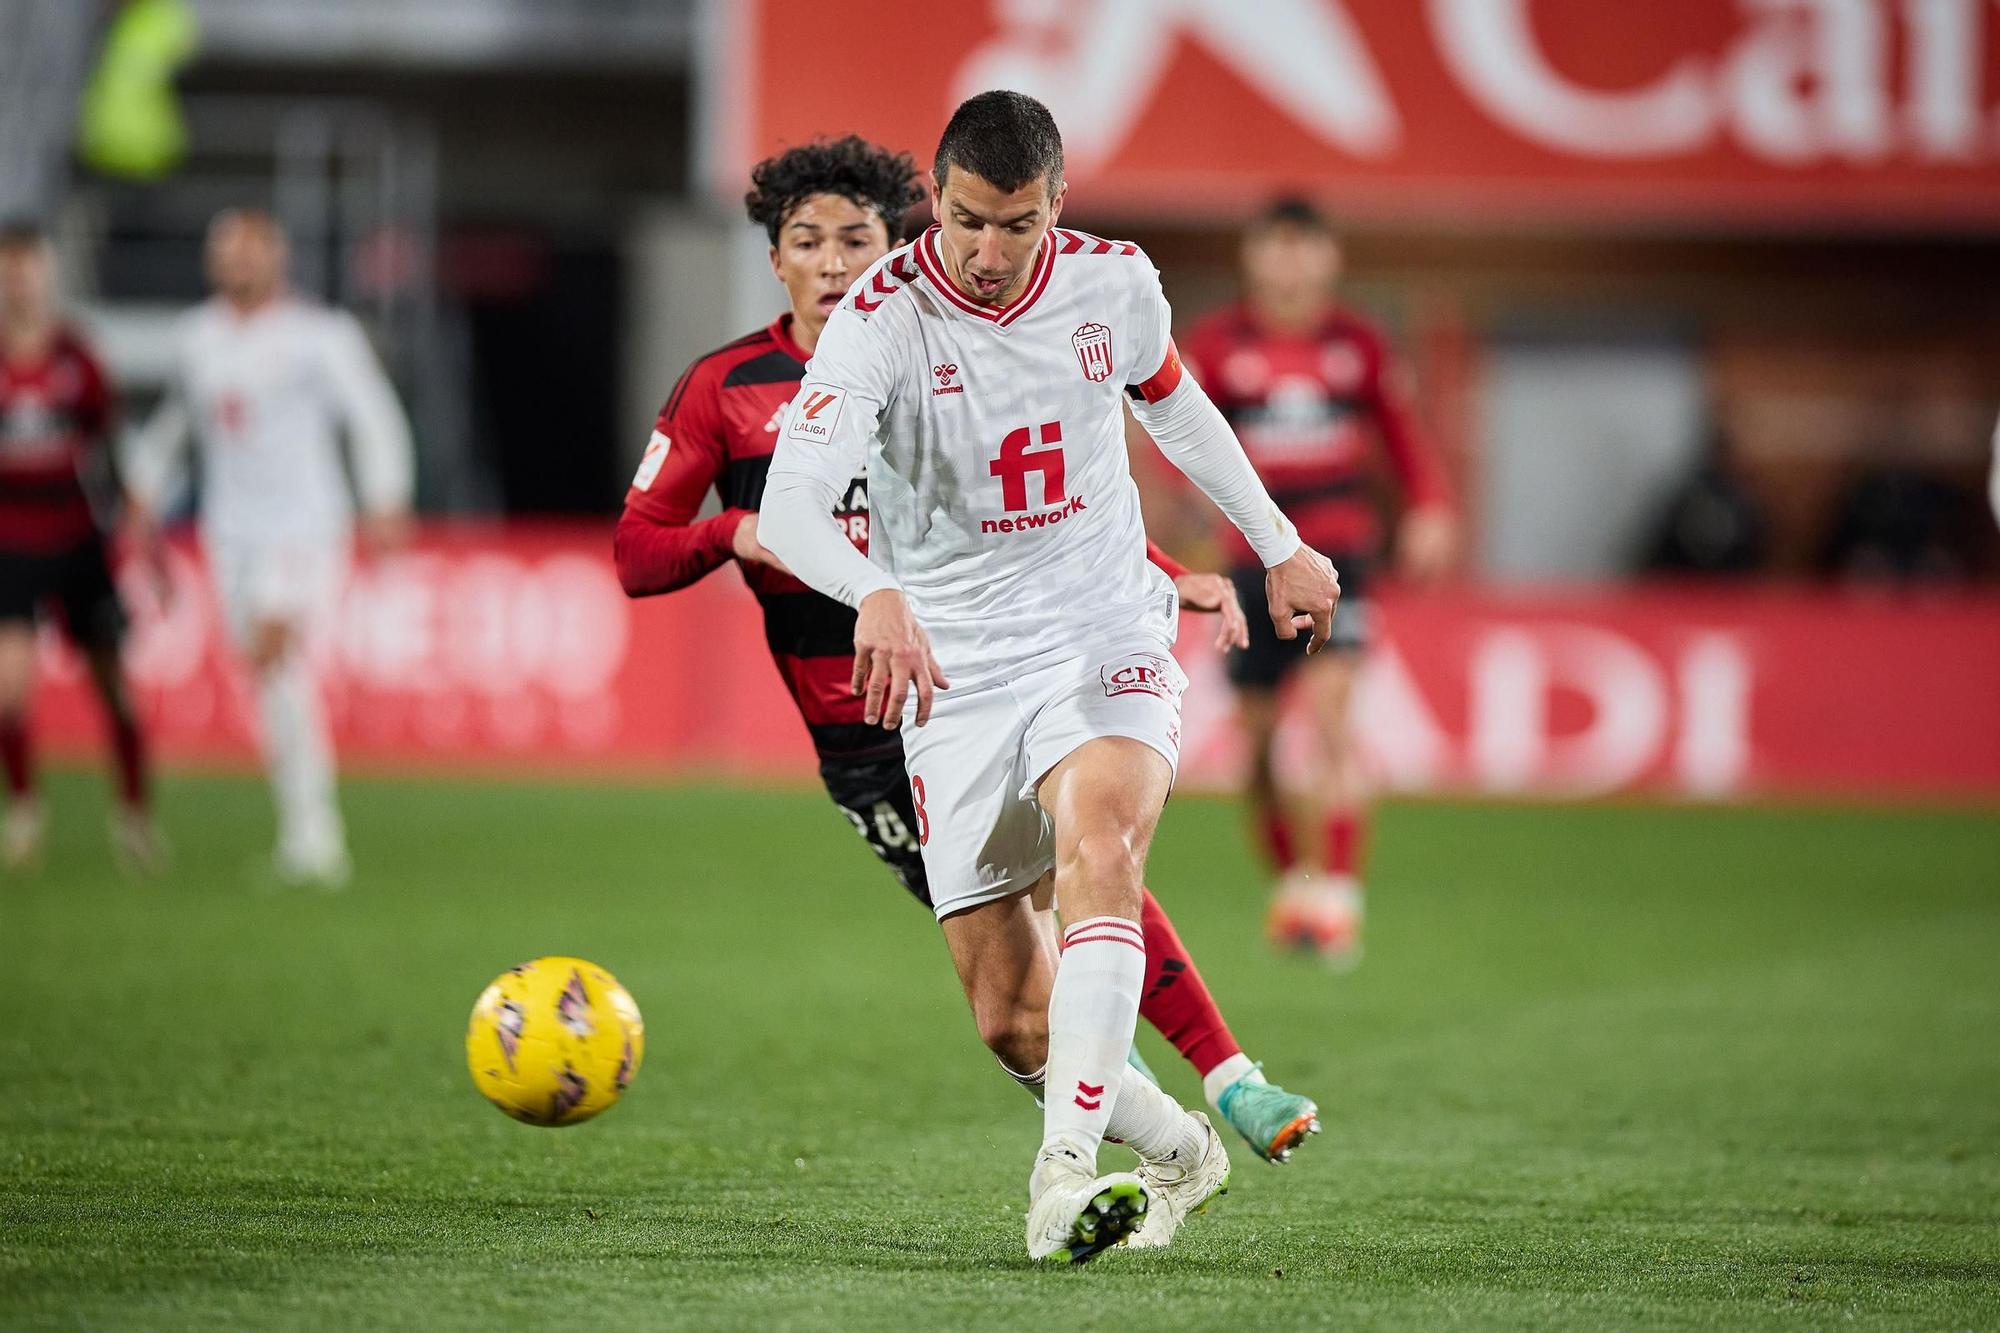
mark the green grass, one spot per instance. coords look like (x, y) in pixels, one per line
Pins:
(1603, 1067)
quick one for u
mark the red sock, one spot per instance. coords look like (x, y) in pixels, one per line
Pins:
(129, 744)
(1176, 999)
(15, 756)
(1346, 841)
(1276, 831)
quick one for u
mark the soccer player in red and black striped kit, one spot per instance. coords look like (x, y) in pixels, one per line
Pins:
(1312, 392)
(831, 209)
(57, 479)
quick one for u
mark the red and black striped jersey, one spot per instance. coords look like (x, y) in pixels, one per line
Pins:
(1310, 410)
(716, 432)
(55, 428)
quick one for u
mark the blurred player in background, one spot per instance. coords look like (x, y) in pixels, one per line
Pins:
(831, 210)
(1312, 392)
(58, 492)
(263, 382)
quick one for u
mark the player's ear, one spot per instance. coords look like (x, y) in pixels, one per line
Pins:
(934, 187)
(1055, 204)
(774, 265)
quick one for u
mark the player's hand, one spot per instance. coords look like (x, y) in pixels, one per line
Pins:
(387, 531)
(892, 654)
(743, 544)
(1303, 591)
(1427, 543)
(1213, 592)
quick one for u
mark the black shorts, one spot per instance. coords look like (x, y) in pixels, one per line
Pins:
(1269, 659)
(874, 794)
(76, 583)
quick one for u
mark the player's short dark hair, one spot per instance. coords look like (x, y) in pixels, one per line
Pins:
(1006, 138)
(1292, 210)
(22, 234)
(868, 174)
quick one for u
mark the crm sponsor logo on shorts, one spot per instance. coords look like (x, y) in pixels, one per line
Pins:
(1144, 673)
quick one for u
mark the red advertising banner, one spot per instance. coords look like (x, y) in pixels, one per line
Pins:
(515, 649)
(1795, 111)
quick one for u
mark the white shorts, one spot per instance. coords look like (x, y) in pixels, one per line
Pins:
(974, 767)
(298, 584)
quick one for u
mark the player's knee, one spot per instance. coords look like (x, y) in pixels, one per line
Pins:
(1108, 862)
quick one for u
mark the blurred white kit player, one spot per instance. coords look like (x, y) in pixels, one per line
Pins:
(979, 376)
(265, 383)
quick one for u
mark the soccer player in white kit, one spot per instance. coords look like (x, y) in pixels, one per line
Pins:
(264, 381)
(979, 375)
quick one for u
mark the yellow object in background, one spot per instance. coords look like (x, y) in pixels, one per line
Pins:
(131, 122)
(555, 1041)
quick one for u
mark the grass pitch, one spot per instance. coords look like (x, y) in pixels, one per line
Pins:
(1603, 1067)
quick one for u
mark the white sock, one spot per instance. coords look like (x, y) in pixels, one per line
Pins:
(299, 754)
(1034, 1083)
(1236, 1067)
(1153, 1124)
(1093, 1012)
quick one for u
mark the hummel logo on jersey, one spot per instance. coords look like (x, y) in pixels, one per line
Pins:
(1093, 350)
(947, 376)
(816, 413)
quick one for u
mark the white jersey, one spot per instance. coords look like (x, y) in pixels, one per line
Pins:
(1000, 496)
(265, 396)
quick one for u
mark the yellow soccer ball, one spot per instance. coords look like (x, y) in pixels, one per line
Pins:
(555, 1041)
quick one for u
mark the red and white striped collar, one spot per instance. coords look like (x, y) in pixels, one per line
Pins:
(932, 263)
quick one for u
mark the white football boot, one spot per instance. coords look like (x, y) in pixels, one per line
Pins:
(315, 864)
(1073, 1215)
(1179, 1190)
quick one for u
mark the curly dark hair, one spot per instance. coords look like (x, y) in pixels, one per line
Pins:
(870, 175)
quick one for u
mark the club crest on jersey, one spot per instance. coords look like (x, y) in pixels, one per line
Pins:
(947, 379)
(815, 412)
(1093, 350)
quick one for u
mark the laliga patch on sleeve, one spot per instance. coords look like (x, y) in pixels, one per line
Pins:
(649, 463)
(815, 412)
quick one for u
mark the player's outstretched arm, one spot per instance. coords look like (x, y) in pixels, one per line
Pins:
(153, 454)
(659, 546)
(385, 460)
(823, 446)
